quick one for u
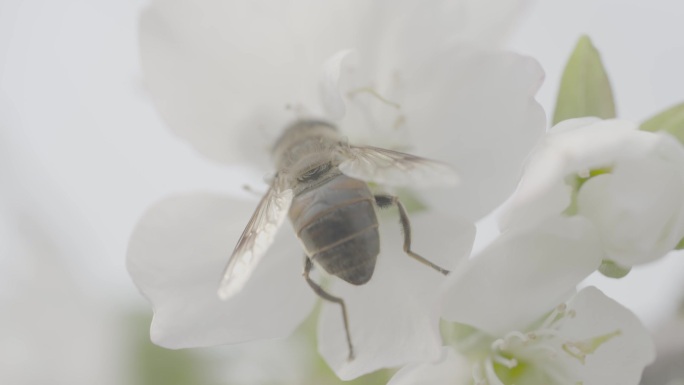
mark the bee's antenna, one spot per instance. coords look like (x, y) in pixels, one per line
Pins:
(253, 191)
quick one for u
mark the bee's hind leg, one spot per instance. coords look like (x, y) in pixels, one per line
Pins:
(308, 265)
(384, 201)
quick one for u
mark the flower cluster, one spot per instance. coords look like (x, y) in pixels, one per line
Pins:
(229, 77)
(629, 183)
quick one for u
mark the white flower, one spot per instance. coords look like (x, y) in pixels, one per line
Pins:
(178, 251)
(521, 275)
(590, 340)
(229, 76)
(507, 332)
(628, 183)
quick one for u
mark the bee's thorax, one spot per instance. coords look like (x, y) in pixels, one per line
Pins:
(305, 143)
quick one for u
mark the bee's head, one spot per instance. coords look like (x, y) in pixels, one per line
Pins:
(300, 130)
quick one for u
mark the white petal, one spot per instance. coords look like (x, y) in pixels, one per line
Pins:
(621, 359)
(331, 98)
(639, 207)
(403, 34)
(542, 192)
(405, 44)
(572, 147)
(452, 369)
(486, 22)
(394, 318)
(522, 275)
(228, 76)
(176, 255)
(573, 124)
(476, 111)
(223, 75)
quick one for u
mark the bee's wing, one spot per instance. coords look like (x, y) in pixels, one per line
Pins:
(256, 239)
(393, 168)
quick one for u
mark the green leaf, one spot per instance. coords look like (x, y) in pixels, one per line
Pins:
(585, 88)
(411, 201)
(670, 121)
(154, 365)
(680, 245)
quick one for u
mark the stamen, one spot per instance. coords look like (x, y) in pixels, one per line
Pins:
(478, 379)
(550, 351)
(492, 378)
(557, 314)
(545, 333)
(502, 343)
(532, 341)
(586, 173)
(510, 363)
(373, 92)
(573, 351)
(516, 334)
(499, 345)
(581, 349)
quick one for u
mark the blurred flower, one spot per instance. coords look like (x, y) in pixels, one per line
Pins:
(229, 76)
(628, 183)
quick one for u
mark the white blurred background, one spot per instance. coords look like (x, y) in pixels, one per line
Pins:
(83, 153)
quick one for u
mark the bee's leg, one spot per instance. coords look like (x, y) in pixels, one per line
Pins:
(384, 201)
(308, 265)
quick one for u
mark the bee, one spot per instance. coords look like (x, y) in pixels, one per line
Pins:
(322, 185)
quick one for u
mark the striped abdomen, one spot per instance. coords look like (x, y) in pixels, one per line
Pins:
(338, 227)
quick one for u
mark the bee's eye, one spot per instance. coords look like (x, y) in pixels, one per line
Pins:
(314, 173)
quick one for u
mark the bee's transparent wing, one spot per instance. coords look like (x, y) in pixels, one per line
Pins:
(393, 168)
(256, 239)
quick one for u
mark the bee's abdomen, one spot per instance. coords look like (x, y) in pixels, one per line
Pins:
(354, 259)
(342, 237)
(345, 242)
